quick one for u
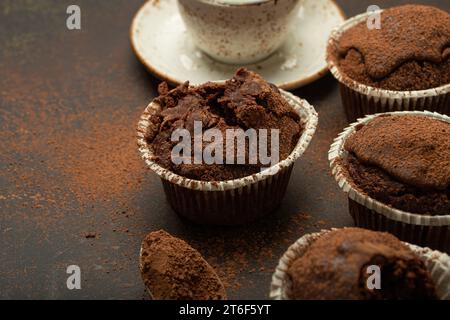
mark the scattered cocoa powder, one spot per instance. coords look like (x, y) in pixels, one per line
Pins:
(78, 110)
(78, 159)
(236, 252)
(97, 162)
(63, 165)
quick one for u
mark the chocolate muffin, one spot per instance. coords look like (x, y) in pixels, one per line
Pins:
(335, 267)
(402, 161)
(411, 50)
(245, 102)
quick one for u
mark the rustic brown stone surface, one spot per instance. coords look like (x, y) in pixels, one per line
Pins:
(70, 100)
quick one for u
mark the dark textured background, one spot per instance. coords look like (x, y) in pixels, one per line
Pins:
(82, 73)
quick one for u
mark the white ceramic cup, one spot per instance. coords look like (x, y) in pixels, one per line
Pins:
(238, 31)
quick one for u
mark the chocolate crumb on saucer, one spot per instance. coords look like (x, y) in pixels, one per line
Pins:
(173, 270)
(334, 267)
(410, 51)
(402, 161)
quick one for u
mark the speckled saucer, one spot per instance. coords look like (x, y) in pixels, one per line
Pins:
(159, 39)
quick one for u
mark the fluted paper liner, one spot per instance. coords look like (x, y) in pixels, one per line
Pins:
(235, 201)
(426, 230)
(437, 263)
(359, 99)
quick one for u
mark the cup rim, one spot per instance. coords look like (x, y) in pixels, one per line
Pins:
(241, 3)
(309, 120)
(366, 89)
(337, 151)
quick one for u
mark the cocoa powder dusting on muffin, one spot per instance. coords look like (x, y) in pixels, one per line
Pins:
(335, 267)
(413, 149)
(403, 161)
(173, 270)
(409, 52)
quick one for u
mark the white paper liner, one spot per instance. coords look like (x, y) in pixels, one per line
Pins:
(411, 99)
(337, 151)
(309, 120)
(437, 263)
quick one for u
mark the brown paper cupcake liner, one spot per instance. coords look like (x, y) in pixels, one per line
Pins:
(425, 230)
(437, 237)
(230, 202)
(437, 263)
(359, 100)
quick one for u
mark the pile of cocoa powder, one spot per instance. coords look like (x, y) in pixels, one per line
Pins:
(173, 270)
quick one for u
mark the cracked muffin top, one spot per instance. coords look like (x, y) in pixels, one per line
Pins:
(245, 102)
